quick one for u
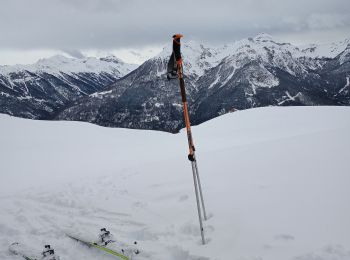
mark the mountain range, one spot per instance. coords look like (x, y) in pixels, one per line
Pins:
(252, 72)
(41, 90)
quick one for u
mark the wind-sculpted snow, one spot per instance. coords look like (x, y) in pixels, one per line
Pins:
(252, 72)
(275, 182)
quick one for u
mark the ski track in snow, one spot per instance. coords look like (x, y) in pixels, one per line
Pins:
(275, 183)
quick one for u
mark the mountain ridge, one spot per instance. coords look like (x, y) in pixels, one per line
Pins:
(252, 72)
(41, 89)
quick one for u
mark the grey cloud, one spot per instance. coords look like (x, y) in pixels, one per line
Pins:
(328, 21)
(74, 53)
(107, 24)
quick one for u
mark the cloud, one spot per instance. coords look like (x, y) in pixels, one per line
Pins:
(74, 53)
(112, 24)
(328, 21)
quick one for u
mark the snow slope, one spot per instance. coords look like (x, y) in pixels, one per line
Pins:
(276, 185)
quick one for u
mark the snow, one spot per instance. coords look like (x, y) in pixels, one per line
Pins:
(344, 57)
(59, 64)
(227, 79)
(197, 57)
(262, 79)
(215, 81)
(4, 94)
(101, 94)
(289, 97)
(346, 85)
(275, 183)
(203, 58)
(263, 48)
(328, 50)
(264, 37)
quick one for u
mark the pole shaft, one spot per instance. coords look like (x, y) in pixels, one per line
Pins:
(200, 190)
(191, 156)
(198, 205)
(186, 113)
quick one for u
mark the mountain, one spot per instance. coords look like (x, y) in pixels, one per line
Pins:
(325, 50)
(39, 90)
(253, 72)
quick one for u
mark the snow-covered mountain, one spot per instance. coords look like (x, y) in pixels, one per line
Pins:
(325, 50)
(253, 72)
(275, 182)
(39, 90)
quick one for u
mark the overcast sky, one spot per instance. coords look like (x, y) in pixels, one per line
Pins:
(33, 28)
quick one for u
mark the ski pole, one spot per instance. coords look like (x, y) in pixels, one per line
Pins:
(191, 154)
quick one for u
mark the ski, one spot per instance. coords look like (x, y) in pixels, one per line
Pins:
(106, 243)
(28, 254)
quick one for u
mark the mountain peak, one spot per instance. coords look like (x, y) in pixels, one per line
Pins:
(263, 37)
(111, 58)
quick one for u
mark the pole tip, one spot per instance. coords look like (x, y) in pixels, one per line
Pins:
(177, 36)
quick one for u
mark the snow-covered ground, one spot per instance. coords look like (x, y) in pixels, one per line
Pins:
(276, 185)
